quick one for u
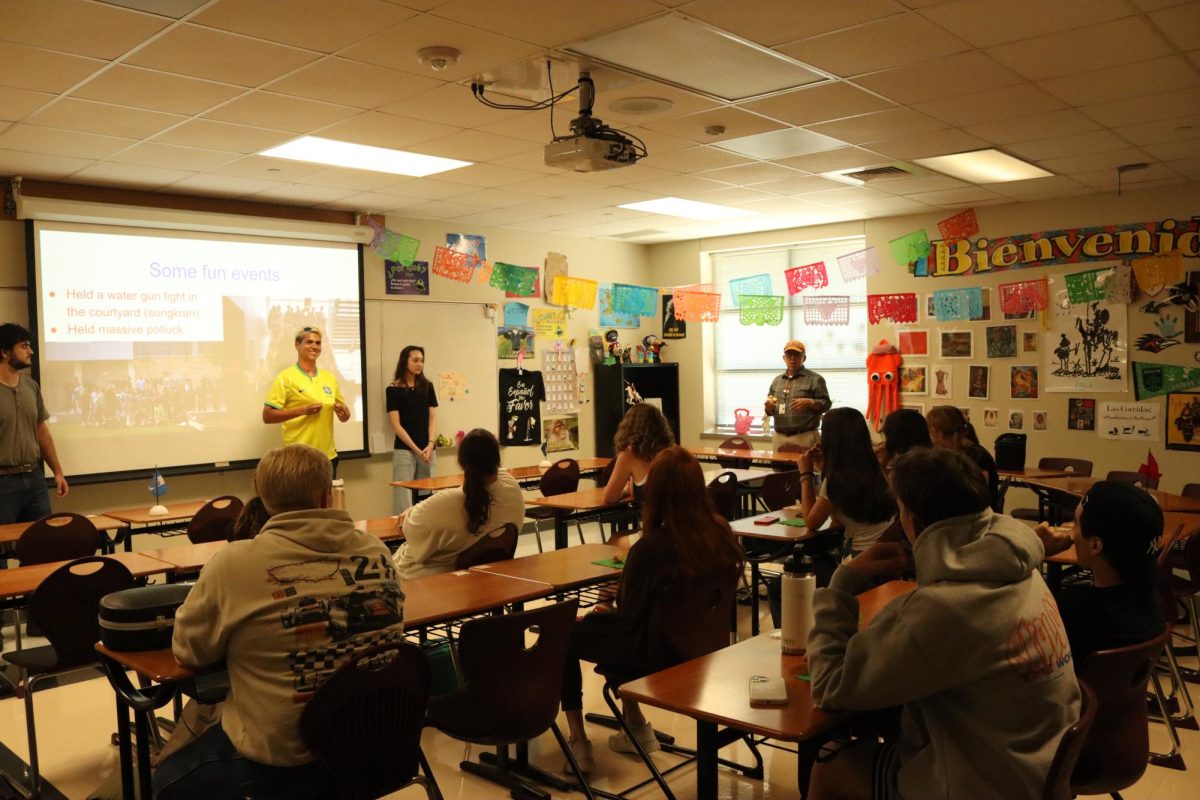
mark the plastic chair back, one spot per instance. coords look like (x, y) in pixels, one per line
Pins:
(58, 537)
(1116, 751)
(498, 545)
(723, 491)
(790, 447)
(214, 521)
(1134, 478)
(1079, 467)
(561, 478)
(66, 606)
(1058, 782)
(780, 489)
(692, 616)
(736, 443)
(606, 474)
(364, 723)
(1191, 490)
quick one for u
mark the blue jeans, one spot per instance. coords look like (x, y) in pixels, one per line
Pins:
(210, 768)
(23, 497)
(407, 465)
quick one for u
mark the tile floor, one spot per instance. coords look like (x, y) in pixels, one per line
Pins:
(75, 722)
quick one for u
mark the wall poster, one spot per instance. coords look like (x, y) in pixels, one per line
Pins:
(1086, 347)
(1183, 421)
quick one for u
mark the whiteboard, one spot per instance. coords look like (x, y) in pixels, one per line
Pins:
(457, 337)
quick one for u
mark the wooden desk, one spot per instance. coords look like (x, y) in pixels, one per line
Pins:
(567, 569)
(1079, 486)
(526, 476)
(775, 532)
(186, 558)
(441, 598)
(744, 476)
(1018, 476)
(12, 531)
(714, 690)
(380, 527)
(138, 519)
(21, 581)
(720, 453)
(572, 504)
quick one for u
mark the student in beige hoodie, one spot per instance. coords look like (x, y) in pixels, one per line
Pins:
(977, 655)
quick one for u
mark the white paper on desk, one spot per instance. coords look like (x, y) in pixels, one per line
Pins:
(1138, 421)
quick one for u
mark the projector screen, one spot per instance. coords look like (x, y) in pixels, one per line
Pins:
(157, 348)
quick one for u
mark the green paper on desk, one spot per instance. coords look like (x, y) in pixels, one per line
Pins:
(610, 562)
(798, 522)
(805, 677)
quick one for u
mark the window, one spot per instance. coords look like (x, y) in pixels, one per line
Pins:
(747, 357)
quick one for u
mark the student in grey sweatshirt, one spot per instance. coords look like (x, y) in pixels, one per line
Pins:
(976, 655)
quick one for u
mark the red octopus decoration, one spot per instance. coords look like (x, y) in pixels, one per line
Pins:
(883, 372)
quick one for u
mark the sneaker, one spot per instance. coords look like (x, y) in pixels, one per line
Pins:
(582, 750)
(620, 743)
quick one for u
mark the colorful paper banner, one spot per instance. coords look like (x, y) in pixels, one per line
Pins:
(830, 309)
(912, 251)
(1155, 272)
(452, 264)
(954, 304)
(574, 292)
(858, 265)
(695, 304)
(1021, 297)
(516, 314)
(900, 308)
(398, 247)
(760, 309)
(1110, 284)
(752, 284)
(639, 301)
(962, 225)
(1155, 380)
(808, 276)
(511, 278)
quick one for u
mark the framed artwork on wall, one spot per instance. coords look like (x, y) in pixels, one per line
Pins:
(978, 380)
(956, 344)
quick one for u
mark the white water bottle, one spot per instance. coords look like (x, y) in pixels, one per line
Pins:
(337, 494)
(798, 583)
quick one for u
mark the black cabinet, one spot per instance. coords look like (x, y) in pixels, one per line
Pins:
(655, 383)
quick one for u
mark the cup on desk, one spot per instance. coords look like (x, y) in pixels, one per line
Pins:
(791, 512)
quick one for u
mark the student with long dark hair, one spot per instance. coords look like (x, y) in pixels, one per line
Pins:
(643, 433)
(412, 411)
(854, 490)
(438, 528)
(683, 538)
(948, 427)
(903, 429)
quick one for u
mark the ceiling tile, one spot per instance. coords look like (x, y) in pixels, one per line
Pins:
(887, 205)
(678, 185)
(1188, 166)
(609, 103)
(1147, 108)
(786, 143)
(498, 217)
(552, 186)
(1179, 24)
(204, 53)
(496, 198)
(1121, 41)
(818, 104)
(729, 195)
(926, 145)
(878, 126)
(153, 154)
(984, 22)
(546, 22)
(532, 126)
(269, 169)
(372, 202)
(301, 194)
(89, 117)
(16, 103)
(278, 111)
(656, 141)
(52, 141)
(930, 183)
(75, 26)
(614, 196)
(128, 176)
(1039, 126)
(311, 24)
(1120, 82)
(472, 146)
(1108, 159)
(449, 104)
(222, 185)
(736, 122)
(696, 159)
(360, 180)
(39, 165)
(847, 195)
(833, 160)
(1021, 100)
(385, 130)
(773, 22)
(1035, 187)
(211, 135)
(1107, 178)
(143, 88)
(440, 209)
(425, 189)
(336, 80)
(940, 77)
(1172, 151)
(1075, 144)
(397, 47)
(42, 70)
(750, 174)
(800, 184)
(641, 171)
(562, 205)
(970, 194)
(531, 160)
(1167, 130)
(486, 175)
(882, 44)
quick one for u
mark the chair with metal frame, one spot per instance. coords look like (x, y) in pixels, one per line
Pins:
(1179, 697)
(498, 545)
(723, 491)
(1058, 781)
(561, 478)
(1134, 478)
(214, 521)
(1191, 490)
(733, 443)
(64, 536)
(1060, 503)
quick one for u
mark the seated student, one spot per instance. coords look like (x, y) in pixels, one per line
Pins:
(683, 537)
(440, 527)
(250, 521)
(949, 428)
(903, 429)
(283, 611)
(977, 654)
(643, 433)
(854, 491)
(1116, 535)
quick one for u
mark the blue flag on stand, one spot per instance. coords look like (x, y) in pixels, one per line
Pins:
(158, 484)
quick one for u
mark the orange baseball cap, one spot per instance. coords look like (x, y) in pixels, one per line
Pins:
(795, 344)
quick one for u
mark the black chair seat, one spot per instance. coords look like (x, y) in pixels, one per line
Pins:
(35, 660)
(466, 716)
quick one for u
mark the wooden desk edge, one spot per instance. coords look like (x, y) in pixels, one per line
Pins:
(159, 666)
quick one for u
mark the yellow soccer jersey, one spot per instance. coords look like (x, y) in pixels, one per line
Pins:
(293, 388)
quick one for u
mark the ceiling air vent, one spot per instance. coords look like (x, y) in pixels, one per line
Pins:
(889, 172)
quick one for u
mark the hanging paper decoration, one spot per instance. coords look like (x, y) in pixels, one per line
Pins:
(398, 247)
(859, 264)
(1155, 272)
(554, 265)
(896, 307)
(1154, 380)
(912, 251)
(952, 304)
(883, 384)
(808, 276)
(376, 226)
(761, 309)
(962, 225)
(1110, 284)
(753, 284)
(452, 264)
(830, 309)
(483, 273)
(1021, 297)
(511, 278)
(574, 292)
(516, 315)
(473, 245)
(638, 301)
(697, 303)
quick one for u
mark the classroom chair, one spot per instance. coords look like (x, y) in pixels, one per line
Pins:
(1117, 749)
(1191, 490)
(723, 491)
(1061, 504)
(1179, 697)
(1185, 589)
(561, 478)
(621, 520)
(57, 537)
(1134, 478)
(66, 608)
(779, 490)
(512, 691)
(733, 443)
(214, 521)
(1058, 782)
(498, 545)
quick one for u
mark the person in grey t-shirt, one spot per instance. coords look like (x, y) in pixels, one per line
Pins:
(797, 399)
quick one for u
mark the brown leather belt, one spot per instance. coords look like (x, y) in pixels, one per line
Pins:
(16, 470)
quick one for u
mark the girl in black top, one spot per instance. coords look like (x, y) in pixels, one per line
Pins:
(949, 428)
(412, 411)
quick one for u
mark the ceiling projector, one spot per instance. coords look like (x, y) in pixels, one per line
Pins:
(592, 145)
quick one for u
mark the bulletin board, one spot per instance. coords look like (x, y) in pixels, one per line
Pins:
(458, 338)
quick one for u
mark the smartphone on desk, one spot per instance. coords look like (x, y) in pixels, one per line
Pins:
(767, 691)
(766, 520)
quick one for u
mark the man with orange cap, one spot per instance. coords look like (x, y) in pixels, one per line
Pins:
(797, 399)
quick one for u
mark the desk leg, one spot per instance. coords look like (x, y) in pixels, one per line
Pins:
(754, 581)
(807, 751)
(560, 532)
(142, 729)
(706, 760)
(125, 749)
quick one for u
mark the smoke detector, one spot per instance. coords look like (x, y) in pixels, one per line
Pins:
(438, 58)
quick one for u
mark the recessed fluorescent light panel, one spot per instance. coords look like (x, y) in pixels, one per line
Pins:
(984, 166)
(688, 209)
(316, 150)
